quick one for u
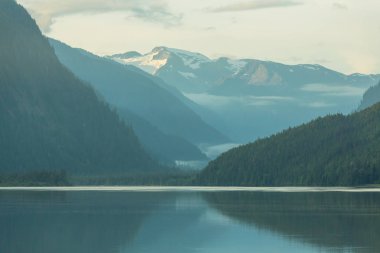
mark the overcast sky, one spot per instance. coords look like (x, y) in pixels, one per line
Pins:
(340, 34)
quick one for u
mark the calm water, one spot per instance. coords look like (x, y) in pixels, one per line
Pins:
(174, 221)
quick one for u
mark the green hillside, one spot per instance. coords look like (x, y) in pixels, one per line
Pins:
(50, 120)
(370, 97)
(334, 150)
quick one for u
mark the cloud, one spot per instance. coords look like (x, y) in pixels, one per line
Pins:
(340, 6)
(157, 14)
(334, 90)
(214, 151)
(209, 28)
(45, 12)
(322, 61)
(214, 101)
(266, 100)
(254, 5)
(320, 104)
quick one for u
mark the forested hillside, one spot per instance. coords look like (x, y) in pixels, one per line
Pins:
(370, 97)
(334, 150)
(50, 120)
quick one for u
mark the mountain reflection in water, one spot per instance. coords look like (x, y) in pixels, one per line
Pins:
(188, 221)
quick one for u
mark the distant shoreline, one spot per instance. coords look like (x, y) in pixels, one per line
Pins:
(194, 189)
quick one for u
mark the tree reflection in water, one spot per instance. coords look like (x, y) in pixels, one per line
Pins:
(333, 221)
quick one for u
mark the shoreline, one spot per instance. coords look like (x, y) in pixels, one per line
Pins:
(192, 189)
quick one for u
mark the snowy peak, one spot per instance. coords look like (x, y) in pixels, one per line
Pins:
(188, 54)
(150, 62)
(159, 57)
(314, 67)
(181, 53)
(192, 72)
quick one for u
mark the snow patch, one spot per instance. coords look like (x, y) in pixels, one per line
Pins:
(311, 67)
(187, 54)
(146, 62)
(236, 65)
(191, 63)
(190, 59)
(358, 74)
(187, 75)
(151, 63)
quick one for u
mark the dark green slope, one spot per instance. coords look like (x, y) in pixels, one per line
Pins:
(49, 119)
(370, 97)
(126, 88)
(335, 150)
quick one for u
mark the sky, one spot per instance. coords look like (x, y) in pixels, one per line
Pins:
(340, 34)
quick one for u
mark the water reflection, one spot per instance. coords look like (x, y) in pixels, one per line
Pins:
(75, 222)
(188, 222)
(333, 222)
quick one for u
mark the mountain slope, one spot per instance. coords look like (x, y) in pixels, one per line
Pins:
(253, 98)
(164, 147)
(335, 150)
(126, 88)
(210, 117)
(370, 97)
(49, 119)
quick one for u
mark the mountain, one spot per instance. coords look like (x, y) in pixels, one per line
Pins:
(257, 75)
(177, 67)
(50, 120)
(164, 147)
(370, 97)
(195, 73)
(251, 98)
(334, 150)
(128, 88)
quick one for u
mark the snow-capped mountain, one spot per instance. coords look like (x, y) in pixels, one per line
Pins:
(191, 72)
(254, 98)
(196, 73)
(150, 62)
(159, 57)
(134, 93)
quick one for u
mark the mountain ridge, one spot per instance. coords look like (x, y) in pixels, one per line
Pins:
(124, 87)
(370, 97)
(335, 150)
(258, 98)
(164, 62)
(50, 119)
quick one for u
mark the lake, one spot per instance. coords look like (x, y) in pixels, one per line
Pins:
(187, 220)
